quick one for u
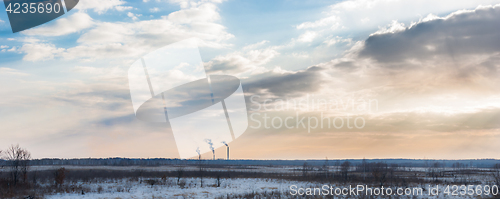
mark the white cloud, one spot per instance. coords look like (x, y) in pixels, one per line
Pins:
(4, 46)
(40, 51)
(101, 51)
(365, 20)
(131, 39)
(11, 71)
(30, 40)
(128, 40)
(123, 8)
(307, 36)
(100, 6)
(253, 46)
(302, 55)
(72, 24)
(193, 3)
(13, 49)
(2, 21)
(439, 66)
(337, 40)
(204, 13)
(133, 16)
(155, 9)
(241, 63)
(331, 21)
(355, 18)
(360, 15)
(391, 28)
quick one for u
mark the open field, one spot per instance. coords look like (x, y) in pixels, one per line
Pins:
(205, 180)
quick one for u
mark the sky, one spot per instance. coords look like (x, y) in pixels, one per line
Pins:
(416, 79)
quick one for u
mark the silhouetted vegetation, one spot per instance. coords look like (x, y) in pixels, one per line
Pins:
(17, 180)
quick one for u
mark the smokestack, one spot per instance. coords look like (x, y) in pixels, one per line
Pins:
(227, 149)
(209, 142)
(198, 151)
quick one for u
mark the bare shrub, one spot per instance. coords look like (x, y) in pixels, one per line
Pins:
(18, 162)
(152, 182)
(59, 176)
(99, 189)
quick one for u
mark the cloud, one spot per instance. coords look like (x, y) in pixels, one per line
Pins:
(123, 8)
(13, 49)
(372, 68)
(101, 6)
(451, 37)
(121, 39)
(72, 24)
(392, 28)
(193, 3)
(480, 119)
(40, 51)
(307, 36)
(84, 113)
(353, 14)
(438, 64)
(337, 40)
(11, 71)
(203, 13)
(237, 63)
(436, 75)
(332, 22)
(133, 16)
(283, 84)
(351, 17)
(433, 79)
(155, 9)
(255, 45)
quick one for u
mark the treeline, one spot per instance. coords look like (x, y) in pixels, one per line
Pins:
(478, 163)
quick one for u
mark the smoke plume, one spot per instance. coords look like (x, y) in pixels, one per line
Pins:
(209, 141)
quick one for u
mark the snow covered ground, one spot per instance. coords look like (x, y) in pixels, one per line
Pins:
(192, 189)
(121, 187)
(229, 188)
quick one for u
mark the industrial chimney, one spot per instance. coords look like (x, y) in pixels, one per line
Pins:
(227, 149)
(209, 142)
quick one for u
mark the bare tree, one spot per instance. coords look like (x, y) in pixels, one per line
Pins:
(304, 169)
(201, 172)
(218, 179)
(495, 173)
(180, 173)
(325, 169)
(380, 172)
(18, 161)
(344, 169)
(363, 168)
